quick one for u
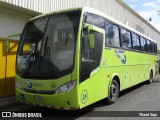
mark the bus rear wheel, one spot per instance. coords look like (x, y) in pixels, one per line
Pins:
(151, 78)
(114, 92)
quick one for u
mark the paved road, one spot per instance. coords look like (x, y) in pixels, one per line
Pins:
(143, 97)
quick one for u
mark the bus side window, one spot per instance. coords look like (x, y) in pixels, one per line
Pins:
(112, 35)
(126, 39)
(95, 20)
(143, 44)
(156, 48)
(149, 46)
(136, 42)
(153, 47)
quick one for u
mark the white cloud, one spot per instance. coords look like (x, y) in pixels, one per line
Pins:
(158, 1)
(133, 0)
(150, 4)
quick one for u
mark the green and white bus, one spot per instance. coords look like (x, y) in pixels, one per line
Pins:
(72, 58)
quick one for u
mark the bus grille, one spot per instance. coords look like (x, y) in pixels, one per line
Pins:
(39, 91)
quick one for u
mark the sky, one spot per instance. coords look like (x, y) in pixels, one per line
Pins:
(147, 9)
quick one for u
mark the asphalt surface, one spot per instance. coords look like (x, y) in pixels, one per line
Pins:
(144, 98)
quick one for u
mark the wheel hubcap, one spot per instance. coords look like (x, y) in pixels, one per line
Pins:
(114, 91)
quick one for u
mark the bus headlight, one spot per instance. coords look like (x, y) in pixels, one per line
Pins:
(66, 87)
(18, 85)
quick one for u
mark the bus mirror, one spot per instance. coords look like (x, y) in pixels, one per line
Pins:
(89, 28)
(91, 40)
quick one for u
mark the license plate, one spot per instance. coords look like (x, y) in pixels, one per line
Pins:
(38, 98)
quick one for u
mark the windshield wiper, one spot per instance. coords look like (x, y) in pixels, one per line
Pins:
(45, 46)
(46, 54)
(28, 64)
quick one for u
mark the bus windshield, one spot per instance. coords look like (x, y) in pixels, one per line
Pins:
(47, 45)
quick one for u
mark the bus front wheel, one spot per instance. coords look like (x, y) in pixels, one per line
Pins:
(114, 92)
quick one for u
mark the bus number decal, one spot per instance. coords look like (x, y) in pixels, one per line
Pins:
(84, 96)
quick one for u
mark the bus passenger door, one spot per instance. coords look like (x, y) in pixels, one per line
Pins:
(91, 53)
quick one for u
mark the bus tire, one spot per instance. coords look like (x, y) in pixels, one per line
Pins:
(150, 79)
(114, 92)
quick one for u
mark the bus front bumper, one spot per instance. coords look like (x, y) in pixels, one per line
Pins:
(63, 101)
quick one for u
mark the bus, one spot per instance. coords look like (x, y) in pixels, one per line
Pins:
(79, 56)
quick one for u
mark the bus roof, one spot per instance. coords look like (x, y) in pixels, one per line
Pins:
(91, 10)
(54, 12)
(94, 11)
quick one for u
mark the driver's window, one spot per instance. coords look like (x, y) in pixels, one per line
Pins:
(87, 53)
(90, 57)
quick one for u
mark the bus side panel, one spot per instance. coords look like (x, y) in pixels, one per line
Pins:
(93, 89)
(148, 62)
(128, 79)
(131, 67)
(156, 65)
(119, 61)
